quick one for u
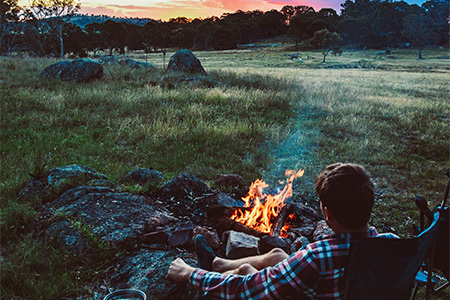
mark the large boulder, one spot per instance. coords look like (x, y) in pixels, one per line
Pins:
(146, 270)
(136, 64)
(109, 60)
(144, 177)
(80, 70)
(116, 218)
(185, 61)
(187, 196)
(56, 181)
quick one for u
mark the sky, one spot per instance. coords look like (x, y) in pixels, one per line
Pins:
(166, 9)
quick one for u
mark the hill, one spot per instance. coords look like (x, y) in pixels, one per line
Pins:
(84, 19)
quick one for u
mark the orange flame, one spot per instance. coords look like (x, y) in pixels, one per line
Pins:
(265, 207)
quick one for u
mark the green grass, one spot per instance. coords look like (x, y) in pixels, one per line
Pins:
(267, 114)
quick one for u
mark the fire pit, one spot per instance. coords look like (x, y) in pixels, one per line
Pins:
(266, 216)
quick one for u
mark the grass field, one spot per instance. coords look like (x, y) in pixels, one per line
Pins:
(269, 113)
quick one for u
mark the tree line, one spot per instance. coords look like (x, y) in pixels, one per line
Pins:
(45, 28)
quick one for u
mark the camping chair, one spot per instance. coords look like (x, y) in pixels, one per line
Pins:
(440, 259)
(381, 268)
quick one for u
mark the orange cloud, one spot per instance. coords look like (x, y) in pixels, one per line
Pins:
(195, 8)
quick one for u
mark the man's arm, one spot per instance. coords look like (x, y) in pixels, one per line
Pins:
(297, 275)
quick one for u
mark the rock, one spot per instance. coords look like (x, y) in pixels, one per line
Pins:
(269, 242)
(146, 270)
(103, 183)
(187, 196)
(67, 237)
(55, 70)
(231, 181)
(182, 235)
(299, 244)
(112, 217)
(322, 230)
(63, 178)
(80, 70)
(222, 199)
(306, 214)
(241, 245)
(159, 221)
(109, 60)
(155, 237)
(56, 181)
(210, 235)
(136, 64)
(186, 185)
(185, 61)
(303, 231)
(32, 190)
(144, 177)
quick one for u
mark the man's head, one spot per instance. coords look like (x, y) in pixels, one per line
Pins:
(347, 191)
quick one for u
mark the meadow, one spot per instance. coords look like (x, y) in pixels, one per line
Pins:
(257, 114)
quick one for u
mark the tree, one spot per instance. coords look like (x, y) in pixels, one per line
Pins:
(327, 41)
(418, 30)
(288, 11)
(115, 34)
(223, 39)
(439, 11)
(9, 17)
(55, 13)
(301, 22)
(272, 23)
(95, 40)
(75, 40)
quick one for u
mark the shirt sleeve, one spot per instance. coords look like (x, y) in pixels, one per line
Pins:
(296, 276)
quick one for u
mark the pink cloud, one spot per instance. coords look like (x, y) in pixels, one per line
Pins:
(203, 8)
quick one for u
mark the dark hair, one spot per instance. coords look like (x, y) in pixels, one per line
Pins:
(347, 191)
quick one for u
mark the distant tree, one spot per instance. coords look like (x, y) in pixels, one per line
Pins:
(418, 30)
(301, 22)
(439, 12)
(115, 34)
(184, 37)
(388, 24)
(54, 14)
(303, 10)
(327, 41)
(10, 27)
(135, 38)
(272, 23)
(223, 39)
(95, 40)
(75, 40)
(205, 31)
(357, 31)
(288, 11)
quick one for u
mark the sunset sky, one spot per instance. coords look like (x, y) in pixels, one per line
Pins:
(166, 9)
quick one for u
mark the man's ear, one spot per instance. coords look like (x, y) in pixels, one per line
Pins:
(328, 214)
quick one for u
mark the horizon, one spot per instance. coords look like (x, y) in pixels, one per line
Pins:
(165, 10)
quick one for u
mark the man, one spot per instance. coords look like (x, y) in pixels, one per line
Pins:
(346, 196)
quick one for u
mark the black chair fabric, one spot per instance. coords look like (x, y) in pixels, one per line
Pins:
(381, 268)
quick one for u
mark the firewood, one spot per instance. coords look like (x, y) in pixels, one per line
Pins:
(280, 220)
(229, 224)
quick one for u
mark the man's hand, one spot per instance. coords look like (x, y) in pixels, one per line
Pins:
(179, 271)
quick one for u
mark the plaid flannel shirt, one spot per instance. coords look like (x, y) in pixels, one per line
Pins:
(316, 271)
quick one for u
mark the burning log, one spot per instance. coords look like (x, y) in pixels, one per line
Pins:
(280, 219)
(225, 223)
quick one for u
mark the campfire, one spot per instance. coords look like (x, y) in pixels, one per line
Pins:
(261, 211)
